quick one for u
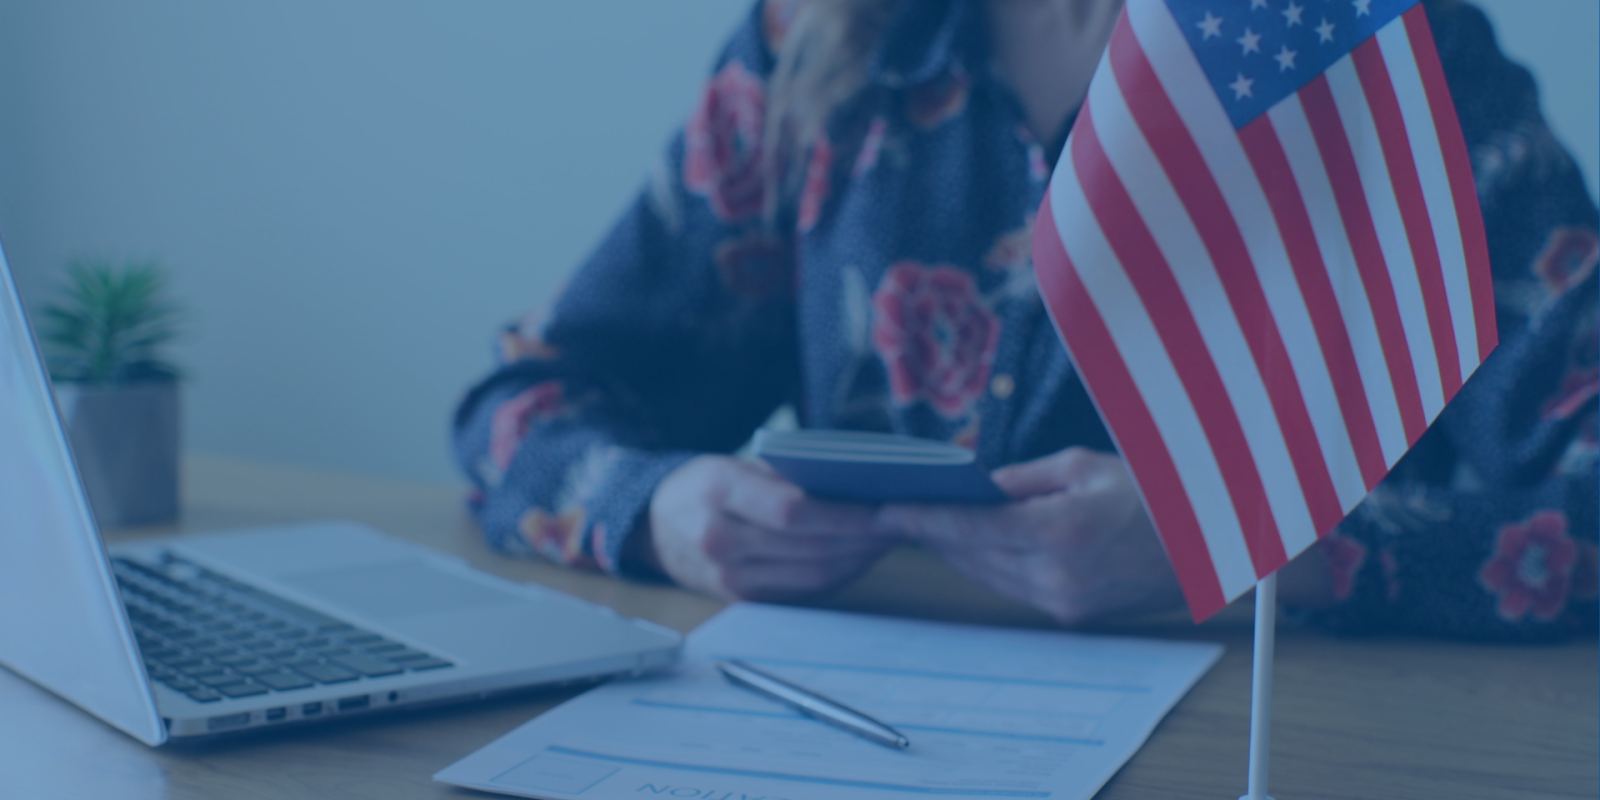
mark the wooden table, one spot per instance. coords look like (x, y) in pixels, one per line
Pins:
(1354, 718)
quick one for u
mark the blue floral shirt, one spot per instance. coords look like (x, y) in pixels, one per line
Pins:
(896, 293)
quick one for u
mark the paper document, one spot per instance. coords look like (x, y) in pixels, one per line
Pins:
(990, 713)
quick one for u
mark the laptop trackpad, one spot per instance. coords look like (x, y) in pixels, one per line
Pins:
(396, 589)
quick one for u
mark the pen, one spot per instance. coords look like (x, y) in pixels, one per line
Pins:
(812, 704)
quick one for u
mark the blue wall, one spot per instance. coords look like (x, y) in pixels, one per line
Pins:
(352, 194)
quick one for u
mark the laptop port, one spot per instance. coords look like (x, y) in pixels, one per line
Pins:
(356, 703)
(310, 709)
(275, 714)
(228, 721)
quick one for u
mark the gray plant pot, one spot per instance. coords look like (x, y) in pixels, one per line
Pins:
(125, 440)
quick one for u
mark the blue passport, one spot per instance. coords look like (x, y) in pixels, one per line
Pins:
(862, 467)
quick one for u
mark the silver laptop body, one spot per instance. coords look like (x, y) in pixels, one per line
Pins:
(363, 622)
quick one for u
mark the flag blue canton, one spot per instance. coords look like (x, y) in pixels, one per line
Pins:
(1258, 52)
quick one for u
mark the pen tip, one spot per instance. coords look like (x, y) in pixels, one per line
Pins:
(902, 742)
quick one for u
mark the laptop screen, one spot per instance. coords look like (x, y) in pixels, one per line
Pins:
(61, 620)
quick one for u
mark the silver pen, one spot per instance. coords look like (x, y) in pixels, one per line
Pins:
(812, 704)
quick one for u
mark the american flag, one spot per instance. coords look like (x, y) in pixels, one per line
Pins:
(1263, 249)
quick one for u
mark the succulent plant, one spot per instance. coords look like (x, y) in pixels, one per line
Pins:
(110, 324)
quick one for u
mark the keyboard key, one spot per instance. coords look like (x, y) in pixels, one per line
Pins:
(429, 662)
(368, 665)
(201, 694)
(323, 673)
(406, 655)
(245, 689)
(197, 627)
(223, 679)
(283, 681)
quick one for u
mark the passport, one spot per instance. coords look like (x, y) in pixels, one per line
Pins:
(863, 467)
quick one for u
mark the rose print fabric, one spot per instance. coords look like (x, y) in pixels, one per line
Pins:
(894, 292)
(935, 337)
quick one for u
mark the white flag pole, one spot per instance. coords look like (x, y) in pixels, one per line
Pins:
(1261, 686)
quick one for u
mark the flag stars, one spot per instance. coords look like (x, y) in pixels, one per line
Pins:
(1241, 87)
(1292, 14)
(1362, 9)
(1210, 26)
(1250, 41)
(1325, 31)
(1255, 4)
(1285, 59)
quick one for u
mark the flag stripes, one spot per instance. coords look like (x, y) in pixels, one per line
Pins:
(1158, 290)
(1288, 119)
(1396, 147)
(1266, 317)
(1080, 304)
(1197, 110)
(1268, 160)
(1377, 184)
(1078, 318)
(1412, 97)
(1458, 168)
(1203, 202)
(1361, 231)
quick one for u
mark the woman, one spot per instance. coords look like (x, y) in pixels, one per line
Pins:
(843, 226)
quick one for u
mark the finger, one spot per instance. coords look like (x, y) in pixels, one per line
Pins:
(1053, 473)
(1015, 526)
(759, 580)
(729, 539)
(1000, 571)
(769, 501)
(1027, 579)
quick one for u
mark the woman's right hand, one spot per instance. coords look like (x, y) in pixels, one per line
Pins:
(736, 529)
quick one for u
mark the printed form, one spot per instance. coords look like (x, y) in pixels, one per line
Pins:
(990, 712)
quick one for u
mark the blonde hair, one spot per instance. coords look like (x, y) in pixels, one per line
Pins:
(821, 67)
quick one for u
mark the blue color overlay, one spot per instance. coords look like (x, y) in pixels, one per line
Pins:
(1258, 52)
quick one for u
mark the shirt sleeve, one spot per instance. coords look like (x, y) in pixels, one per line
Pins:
(1487, 528)
(675, 338)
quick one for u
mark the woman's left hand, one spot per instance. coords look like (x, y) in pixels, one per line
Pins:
(1076, 542)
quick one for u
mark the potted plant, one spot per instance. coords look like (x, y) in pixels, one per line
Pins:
(103, 339)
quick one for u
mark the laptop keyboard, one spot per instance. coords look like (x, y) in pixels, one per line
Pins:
(211, 637)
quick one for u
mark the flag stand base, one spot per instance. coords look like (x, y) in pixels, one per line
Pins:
(1261, 686)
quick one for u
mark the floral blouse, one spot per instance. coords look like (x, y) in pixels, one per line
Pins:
(896, 293)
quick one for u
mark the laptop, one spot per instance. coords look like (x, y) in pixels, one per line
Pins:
(212, 634)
